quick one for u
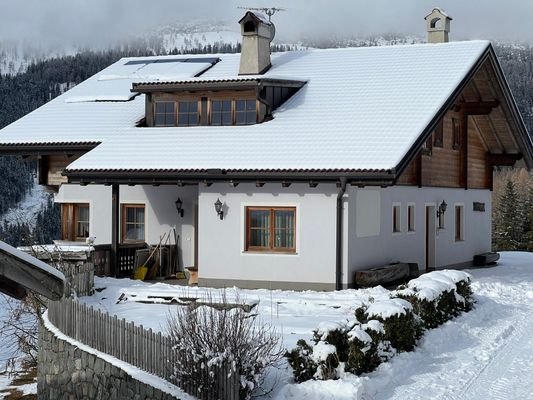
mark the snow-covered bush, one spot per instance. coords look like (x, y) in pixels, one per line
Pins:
(221, 343)
(301, 360)
(438, 296)
(364, 348)
(401, 327)
(382, 328)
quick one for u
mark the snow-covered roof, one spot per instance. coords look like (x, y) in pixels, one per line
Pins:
(361, 109)
(100, 106)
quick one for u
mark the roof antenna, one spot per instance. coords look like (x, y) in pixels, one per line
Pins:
(270, 11)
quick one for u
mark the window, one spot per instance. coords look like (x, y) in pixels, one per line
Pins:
(188, 114)
(133, 222)
(271, 229)
(438, 135)
(245, 112)
(221, 112)
(396, 218)
(165, 113)
(459, 224)
(410, 217)
(74, 221)
(456, 133)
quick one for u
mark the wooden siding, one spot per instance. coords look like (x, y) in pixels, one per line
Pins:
(52, 166)
(444, 166)
(490, 133)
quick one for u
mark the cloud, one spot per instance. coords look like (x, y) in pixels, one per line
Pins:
(100, 22)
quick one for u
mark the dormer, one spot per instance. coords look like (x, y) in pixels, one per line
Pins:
(438, 26)
(257, 33)
(224, 101)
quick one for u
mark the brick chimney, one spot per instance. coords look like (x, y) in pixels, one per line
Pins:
(257, 33)
(438, 26)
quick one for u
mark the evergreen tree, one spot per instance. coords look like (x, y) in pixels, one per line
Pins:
(508, 228)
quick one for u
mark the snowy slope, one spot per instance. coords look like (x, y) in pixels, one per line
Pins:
(485, 354)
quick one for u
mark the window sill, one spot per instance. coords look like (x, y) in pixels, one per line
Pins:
(398, 233)
(268, 253)
(411, 232)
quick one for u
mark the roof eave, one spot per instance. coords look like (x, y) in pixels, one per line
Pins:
(28, 149)
(147, 177)
(250, 83)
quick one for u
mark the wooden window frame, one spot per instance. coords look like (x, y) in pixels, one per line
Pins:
(70, 220)
(459, 234)
(396, 218)
(124, 208)
(411, 222)
(270, 248)
(233, 109)
(156, 113)
(198, 102)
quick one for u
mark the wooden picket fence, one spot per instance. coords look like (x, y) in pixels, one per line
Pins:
(79, 277)
(140, 347)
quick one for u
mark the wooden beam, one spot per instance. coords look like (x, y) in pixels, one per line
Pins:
(505, 160)
(419, 169)
(115, 215)
(477, 107)
(464, 150)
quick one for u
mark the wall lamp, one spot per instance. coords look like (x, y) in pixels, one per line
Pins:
(442, 209)
(179, 207)
(218, 208)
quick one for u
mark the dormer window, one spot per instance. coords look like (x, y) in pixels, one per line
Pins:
(221, 112)
(245, 112)
(188, 114)
(165, 113)
(237, 101)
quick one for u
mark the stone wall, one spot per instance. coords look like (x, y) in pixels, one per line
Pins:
(66, 372)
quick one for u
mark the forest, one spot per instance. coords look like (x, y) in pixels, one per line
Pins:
(24, 92)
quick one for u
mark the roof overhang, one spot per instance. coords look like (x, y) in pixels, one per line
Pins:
(41, 149)
(521, 134)
(173, 177)
(20, 272)
(215, 84)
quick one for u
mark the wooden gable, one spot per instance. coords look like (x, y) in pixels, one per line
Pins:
(481, 129)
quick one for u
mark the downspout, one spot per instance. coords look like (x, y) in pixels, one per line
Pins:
(338, 266)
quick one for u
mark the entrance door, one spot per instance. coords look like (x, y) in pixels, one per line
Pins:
(430, 237)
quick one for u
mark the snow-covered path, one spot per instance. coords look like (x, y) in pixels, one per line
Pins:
(486, 354)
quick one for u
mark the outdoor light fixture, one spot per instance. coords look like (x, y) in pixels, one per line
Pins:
(442, 209)
(179, 205)
(218, 208)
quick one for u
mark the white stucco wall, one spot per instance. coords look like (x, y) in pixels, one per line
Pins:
(160, 211)
(369, 249)
(221, 243)
(367, 232)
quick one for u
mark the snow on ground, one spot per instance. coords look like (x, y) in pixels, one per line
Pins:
(484, 354)
(10, 358)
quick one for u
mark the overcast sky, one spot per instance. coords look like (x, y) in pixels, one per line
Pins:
(97, 21)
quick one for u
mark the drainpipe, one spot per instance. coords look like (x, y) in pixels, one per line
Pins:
(338, 266)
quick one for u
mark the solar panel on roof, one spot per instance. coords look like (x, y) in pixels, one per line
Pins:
(203, 60)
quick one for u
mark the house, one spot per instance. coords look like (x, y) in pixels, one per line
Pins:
(290, 170)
